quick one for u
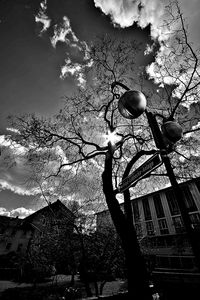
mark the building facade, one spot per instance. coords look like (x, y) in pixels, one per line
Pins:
(159, 225)
(38, 238)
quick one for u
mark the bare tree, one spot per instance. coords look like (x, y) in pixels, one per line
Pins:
(96, 140)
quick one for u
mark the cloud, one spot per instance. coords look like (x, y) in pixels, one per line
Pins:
(125, 13)
(21, 178)
(42, 17)
(77, 70)
(13, 168)
(74, 69)
(164, 21)
(4, 212)
(14, 130)
(63, 33)
(15, 188)
(20, 212)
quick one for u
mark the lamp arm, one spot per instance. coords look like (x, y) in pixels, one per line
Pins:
(115, 83)
(161, 116)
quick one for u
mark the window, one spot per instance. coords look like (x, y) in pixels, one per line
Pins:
(136, 211)
(175, 262)
(191, 206)
(150, 228)
(146, 208)
(163, 226)
(162, 261)
(187, 262)
(172, 203)
(178, 224)
(158, 206)
(138, 229)
(195, 219)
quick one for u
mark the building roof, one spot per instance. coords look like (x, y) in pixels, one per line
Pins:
(51, 207)
(55, 206)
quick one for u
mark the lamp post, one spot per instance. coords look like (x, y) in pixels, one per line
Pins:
(131, 105)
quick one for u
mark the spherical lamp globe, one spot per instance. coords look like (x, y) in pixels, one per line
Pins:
(132, 104)
(172, 131)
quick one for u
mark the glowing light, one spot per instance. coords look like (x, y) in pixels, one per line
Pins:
(111, 137)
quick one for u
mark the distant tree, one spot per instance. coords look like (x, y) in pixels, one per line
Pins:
(105, 259)
(48, 249)
(55, 248)
(96, 140)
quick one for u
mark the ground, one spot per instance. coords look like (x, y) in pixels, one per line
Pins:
(62, 281)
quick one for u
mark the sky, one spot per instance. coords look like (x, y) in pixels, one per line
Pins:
(43, 58)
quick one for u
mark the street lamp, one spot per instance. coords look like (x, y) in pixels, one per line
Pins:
(131, 105)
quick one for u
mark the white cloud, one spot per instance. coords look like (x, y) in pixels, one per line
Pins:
(6, 143)
(4, 212)
(74, 69)
(16, 188)
(13, 168)
(125, 13)
(42, 17)
(14, 130)
(174, 65)
(19, 177)
(64, 33)
(149, 49)
(161, 15)
(77, 70)
(20, 212)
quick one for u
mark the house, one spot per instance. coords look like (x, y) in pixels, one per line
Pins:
(159, 226)
(44, 229)
(8, 227)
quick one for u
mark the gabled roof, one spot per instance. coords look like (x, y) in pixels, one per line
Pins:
(55, 206)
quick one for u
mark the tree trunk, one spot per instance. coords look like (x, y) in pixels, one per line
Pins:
(101, 287)
(85, 279)
(137, 275)
(136, 270)
(96, 288)
(72, 279)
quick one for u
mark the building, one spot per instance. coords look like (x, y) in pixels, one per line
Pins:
(8, 239)
(37, 235)
(16, 234)
(160, 228)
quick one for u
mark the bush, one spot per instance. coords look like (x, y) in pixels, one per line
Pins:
(30, 293)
